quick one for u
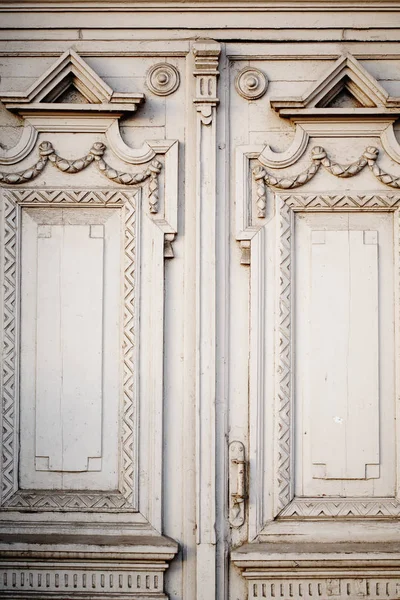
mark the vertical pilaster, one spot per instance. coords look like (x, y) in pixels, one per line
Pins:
(206, 55)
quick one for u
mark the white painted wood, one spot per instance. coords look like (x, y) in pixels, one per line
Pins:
(344, 352)
(206, 55)
(70, 258)
(88, 456)
(222, 342)
(69, 370)
(343, 324)
(333, 315)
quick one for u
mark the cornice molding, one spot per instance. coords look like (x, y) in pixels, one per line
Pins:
(200, 5)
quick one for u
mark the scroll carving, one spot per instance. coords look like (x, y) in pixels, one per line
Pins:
(95, 154)
(319, 158)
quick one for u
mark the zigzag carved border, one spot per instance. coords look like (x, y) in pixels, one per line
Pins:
(11, 497)
(287, 507)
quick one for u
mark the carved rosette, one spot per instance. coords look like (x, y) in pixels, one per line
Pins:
(162, 79)
(251, 83)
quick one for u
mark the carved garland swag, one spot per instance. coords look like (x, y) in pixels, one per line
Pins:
(319, 158)
(95, 154)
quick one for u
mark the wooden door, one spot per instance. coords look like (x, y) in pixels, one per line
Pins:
(317, 224)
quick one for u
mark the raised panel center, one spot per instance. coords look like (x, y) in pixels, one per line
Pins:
(344, 345)
(70, 384)
(344, 354)
(69, 347)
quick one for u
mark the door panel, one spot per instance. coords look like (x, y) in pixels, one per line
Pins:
(343, 330)
(317, 223)
(70, 373)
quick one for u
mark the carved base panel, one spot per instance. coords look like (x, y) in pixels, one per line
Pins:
(88, 567)
(83, 580)
(325, 571)
(332, 587)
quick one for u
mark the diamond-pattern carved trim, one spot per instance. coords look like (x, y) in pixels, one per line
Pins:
(341, 201)
(129, 416)
(9, 454)
(349, 507)
(49, 499)
(57, 196)
(284, 359)
(296, 508)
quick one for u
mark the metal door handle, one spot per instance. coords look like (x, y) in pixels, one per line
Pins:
(237, 484)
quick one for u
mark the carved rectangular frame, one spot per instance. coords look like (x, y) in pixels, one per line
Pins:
(142, 500)
(264, 236)
(125, 498)
(286, 504)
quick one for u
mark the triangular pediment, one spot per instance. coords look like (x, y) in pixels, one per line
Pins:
(71, 96)
(347, 87)
(70, 81)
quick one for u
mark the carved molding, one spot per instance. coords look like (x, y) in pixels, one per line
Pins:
(354, 507)
(71, 501)
(346, 73)
(92, 570)
(251, 83)
(284, 363)
(49, 500)
(342, 201)
(349, 507)
(24, 147)
(129, 413)
(163, 79)
(206, 56)
(252, 239)
(70, 69)
(320, 158)
(95, 154)
(280, 160)
(320, 570)
(135, 156)
(367, 126)
(87, 582)
(9, 417)
(343, 587)
(285, 507)
(38, 197)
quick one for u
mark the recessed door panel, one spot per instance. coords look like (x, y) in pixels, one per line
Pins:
(70, 375)
(344, 354)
